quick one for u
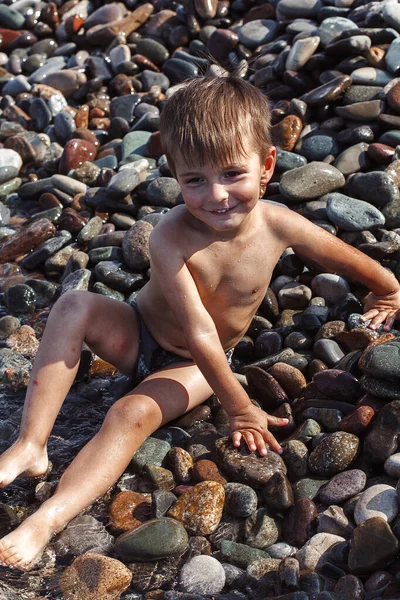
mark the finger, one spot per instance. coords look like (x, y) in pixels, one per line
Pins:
(260, 443)
(273, 444)
(389, 322)
(370, 314)
(277, 421)
(236, 437)
(378, 320)
(249, 439)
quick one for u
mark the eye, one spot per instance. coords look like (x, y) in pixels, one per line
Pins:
(193, 180)
(232, 174)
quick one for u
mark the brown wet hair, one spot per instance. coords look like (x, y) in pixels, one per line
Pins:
(215, 119)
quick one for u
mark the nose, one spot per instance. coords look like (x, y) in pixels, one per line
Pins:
(219, 192)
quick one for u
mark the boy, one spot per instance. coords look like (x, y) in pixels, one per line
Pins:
(212, 260)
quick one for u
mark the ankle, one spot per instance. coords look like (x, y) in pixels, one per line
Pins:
(31, 445)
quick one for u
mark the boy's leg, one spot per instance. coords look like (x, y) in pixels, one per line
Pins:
(160, 398)
(109, 328)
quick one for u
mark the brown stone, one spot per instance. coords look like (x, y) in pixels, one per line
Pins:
(286, 133)
(82, 133)
(103, 35)
(71, 220)
(200, 509)
(73, 24)
(221, 43)
(24, 341)
(100, 123)
(376, 57)
(48, 200)
(380, 154)
(16, 114)
(66, 81)
(82, 117)
(207, 470)
(95, 577)
(102, 368)
(49, 15)
(26, 239)
(180, 463)
(265, 11)
(357, 421)
(76, 151)
(154, 148)
(356, 339)
(265, 388)
(328, 92)
(128, 510)
(298, 522)
(206, 9)
(143, 63)
(22, 146)
(291, 379)
(393, 97)
(394, 171)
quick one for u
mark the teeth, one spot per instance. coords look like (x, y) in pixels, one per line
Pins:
(224, 210)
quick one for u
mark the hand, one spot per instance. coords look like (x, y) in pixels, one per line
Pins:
(251, 424)
(382, 309)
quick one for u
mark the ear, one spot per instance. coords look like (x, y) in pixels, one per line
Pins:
(269, 166)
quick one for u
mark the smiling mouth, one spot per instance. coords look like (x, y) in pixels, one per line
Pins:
(222, 211)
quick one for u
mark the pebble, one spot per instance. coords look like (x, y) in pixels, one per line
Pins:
(372, 546)
(333, 454)
(377, 501)
(202, 575)
(343, 486)
(352, 215)
(310, 181)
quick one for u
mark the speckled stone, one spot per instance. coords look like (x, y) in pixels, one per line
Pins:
(260, 530)
(200, 509)
(333, 454)
(310, 182)
(343, 486)
(129, 510)
(240, 500)
(93, 576)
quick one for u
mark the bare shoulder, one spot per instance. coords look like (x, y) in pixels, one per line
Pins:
(275, 216)
(168, 232)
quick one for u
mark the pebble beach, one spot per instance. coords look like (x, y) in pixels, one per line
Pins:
(83, 182)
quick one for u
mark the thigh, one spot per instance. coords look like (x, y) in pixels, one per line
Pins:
(112, 331)
(173, 391)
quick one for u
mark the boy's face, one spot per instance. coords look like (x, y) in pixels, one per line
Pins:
(223, 197)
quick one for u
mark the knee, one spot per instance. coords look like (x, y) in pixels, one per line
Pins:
(137, 413)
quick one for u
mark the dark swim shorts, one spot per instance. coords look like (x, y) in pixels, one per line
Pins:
(152, 357)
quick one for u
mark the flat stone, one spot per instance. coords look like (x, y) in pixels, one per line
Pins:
(360, 111)
(328, 351)
(246, 467)
(310, 182)
(92, 576)
(392, 465)
(333, 454)
(317, 146)
(333, 27)
(333, 520)
(382, 360)
(352, 215)
(343, 486)
(314, 549)
(377, 501)
(260, 530)
(338, 385)
(299, 521)
(372, 546)
(393, 57)
(83, 534)
(300, 52)
(258, 32)
(157, 538)
(241, 555)
(290, 9)
(371, 76)
(10, 158)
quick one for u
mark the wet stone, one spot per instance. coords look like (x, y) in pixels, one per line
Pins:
(200, 509)
(352, 215)
(310, 182)
(129, 510)
(83, 534)
(240, 555)
(240, 500)
(258, 32)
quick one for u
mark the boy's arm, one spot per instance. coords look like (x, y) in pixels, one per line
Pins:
(204, 345)
(334, 255)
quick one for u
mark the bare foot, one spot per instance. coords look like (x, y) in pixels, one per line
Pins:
(21, 548)
(22, 458)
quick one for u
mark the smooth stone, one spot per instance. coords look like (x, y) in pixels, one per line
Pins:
(352, 215)
(11, 18)
(164, 191)
(338, 385)
(382, 360)
(391, 14)
(240, 555)
(42, 252)
(285, 161)
(310, 182)
(317, 146)
(333, 454)
(83, 534)
(135, 246)
(352, 46)
(178, 70)
(307, 488)
(135, 143)
(328, 351)
(286, 132)
(258, 32)
(10, 158)
(371, 76)
(372, 547)
(333, 520)
(18, 85)
(7, 174)
(246, 467)
(330, 287)
(360, 111)
(377, 188)
(202, 575)
(300, 52)
(290, 9)
(313, 550)
(124, 107)
(392, 465)
(152, 451)
(200, 508)
(393, 57)
(299, 522)
(64, 126)
(124, 182)
(327, 92)
(240, 500)
(343, 486)
(68, 185)
(155, 539)
(20, 299)
(362, 93)
(328, 418)
(260, 530)
(153, 50)
(377, 501)
(333, 27)
(78, 280)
